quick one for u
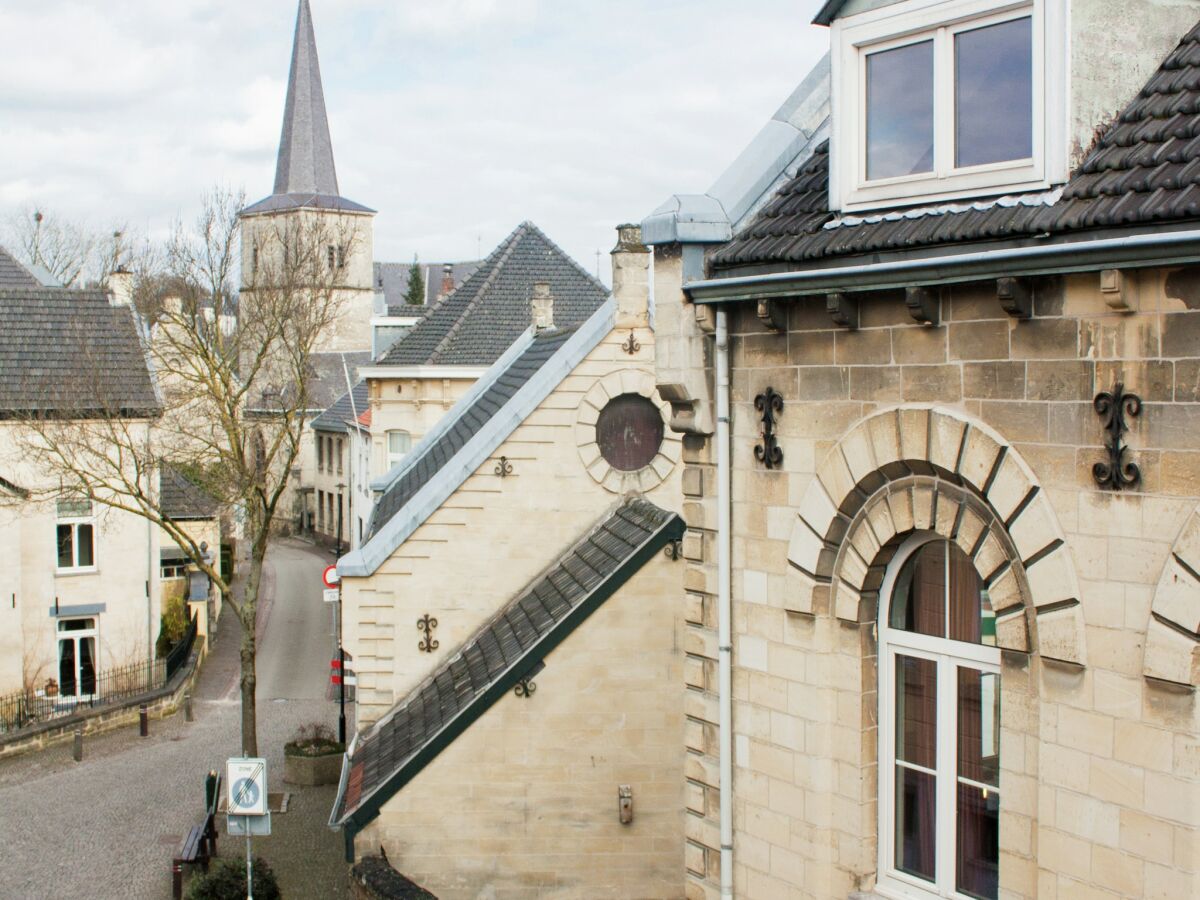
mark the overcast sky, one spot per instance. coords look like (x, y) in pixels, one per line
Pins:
(456, 119)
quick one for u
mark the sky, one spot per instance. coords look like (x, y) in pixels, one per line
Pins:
(455, 119)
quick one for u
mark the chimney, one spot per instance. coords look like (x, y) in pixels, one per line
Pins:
(120, 288)
(542, 306)
(447, 280)
(631, 278)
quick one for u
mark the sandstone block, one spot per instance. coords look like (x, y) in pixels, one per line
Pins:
(994, 380)
(987, 339)
(931, 383)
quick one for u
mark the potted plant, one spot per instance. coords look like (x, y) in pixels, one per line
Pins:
(313, 756)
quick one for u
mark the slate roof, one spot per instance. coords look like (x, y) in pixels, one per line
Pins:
(54, 345)
(392, 279)
(305, 175)
(13, 274)
(475, 325)
(436, 454)
(329, 376)
(502, 652)
(338, 416)
(1144, 170)
(182, 499)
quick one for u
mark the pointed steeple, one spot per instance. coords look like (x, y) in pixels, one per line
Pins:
(305, 150)
(305, 175)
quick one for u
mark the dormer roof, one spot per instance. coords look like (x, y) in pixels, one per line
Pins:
(1144, 171)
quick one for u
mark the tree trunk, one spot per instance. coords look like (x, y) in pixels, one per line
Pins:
(248, 614)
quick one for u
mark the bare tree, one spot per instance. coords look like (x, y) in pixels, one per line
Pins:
(234, 401)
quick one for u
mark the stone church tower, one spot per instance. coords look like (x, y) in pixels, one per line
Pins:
(306, 202)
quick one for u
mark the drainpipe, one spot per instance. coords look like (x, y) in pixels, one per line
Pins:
(724, 611)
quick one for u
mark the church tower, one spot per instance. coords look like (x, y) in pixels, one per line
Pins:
(306, 202)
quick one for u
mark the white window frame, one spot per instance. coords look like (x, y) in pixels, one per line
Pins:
(911, 21)
(76, 636)
(74, 522)
(891, 882)
(391, 458)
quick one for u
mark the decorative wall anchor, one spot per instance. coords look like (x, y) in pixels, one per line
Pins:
(673, 550)
(425, 625)
(1113, 407)
(631, 345)
(504, 467)
(769, 405)
(525, 687)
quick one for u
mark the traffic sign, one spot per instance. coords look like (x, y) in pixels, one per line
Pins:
(331, 595)
(248, 826)
(247, 780)
(330, 576)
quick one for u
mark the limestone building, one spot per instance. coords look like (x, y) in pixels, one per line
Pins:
(513, 620)
(932, 348)
(80, 581)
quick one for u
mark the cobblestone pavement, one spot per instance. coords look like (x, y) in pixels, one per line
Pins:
(107, 827)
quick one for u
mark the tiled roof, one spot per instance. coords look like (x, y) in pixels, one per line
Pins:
(435, 455)
(1144, 170)
(505, 650)
(342, 412)
(475, 325)
(329, 376)
(70, 352)
(392, 279)
(13, 274)
(181, 499)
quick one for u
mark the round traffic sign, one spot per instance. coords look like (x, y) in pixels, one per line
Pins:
(245, 793)
(330, 576)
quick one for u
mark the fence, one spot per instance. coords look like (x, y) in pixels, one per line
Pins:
(111, 686)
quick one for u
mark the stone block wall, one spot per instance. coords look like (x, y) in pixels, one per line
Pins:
(1099, 725)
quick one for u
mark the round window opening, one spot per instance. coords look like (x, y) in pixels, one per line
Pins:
(629, 432)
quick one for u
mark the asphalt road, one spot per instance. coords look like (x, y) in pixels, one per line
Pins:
(107, 827)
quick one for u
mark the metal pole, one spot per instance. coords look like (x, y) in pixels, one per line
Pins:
(342, 671)
(249, 868)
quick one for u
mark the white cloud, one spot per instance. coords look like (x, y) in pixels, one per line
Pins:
(456, 119)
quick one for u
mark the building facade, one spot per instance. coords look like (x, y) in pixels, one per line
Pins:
(932, 350)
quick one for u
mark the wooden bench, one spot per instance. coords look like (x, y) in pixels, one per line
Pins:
(199, 845)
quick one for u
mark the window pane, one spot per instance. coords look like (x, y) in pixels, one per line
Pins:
(900, 111)
(87, 665)
(83, 539)
(919, 599)
(66, 552)
(979, 726)
(399, 443)
(978, 864)
(66, 667)
(916, 822)
(968, 601)
(916, 711)
(993, 91)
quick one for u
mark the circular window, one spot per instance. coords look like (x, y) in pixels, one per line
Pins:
(629, 432)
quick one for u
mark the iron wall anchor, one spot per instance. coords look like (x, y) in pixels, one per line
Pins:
(1112, 407)
(769, 405)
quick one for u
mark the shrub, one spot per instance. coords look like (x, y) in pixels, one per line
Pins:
(313, 739)
(173, 624)
(226, 880)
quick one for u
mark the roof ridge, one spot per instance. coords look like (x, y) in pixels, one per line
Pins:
(504, 252)
(565, 255)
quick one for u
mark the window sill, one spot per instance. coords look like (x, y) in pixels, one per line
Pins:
(82, 570)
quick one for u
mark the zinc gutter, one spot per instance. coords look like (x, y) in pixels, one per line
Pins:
(1133, 251)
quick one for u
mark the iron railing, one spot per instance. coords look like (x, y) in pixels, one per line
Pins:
(30, 707)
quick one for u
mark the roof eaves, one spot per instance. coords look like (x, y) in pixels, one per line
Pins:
(672, 529)
(437, 490)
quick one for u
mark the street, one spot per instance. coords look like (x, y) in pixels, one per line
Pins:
(107, 827)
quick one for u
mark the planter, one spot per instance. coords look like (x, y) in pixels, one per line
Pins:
(312, 770)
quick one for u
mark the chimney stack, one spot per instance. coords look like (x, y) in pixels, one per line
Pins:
(447, 280)
(542, 306)
(120, 288)
(631, 278)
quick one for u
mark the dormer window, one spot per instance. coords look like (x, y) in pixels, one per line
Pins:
(944, 99)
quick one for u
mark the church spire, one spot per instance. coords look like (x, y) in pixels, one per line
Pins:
(305, 163)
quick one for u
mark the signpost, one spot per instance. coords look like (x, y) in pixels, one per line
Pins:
(333, 594)
(247, 805)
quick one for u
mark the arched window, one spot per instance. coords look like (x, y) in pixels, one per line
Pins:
(939, 772)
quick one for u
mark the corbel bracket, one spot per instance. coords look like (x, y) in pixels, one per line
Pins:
(772, 315)
(843, 309)
(923, 305)
(1015, 296)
